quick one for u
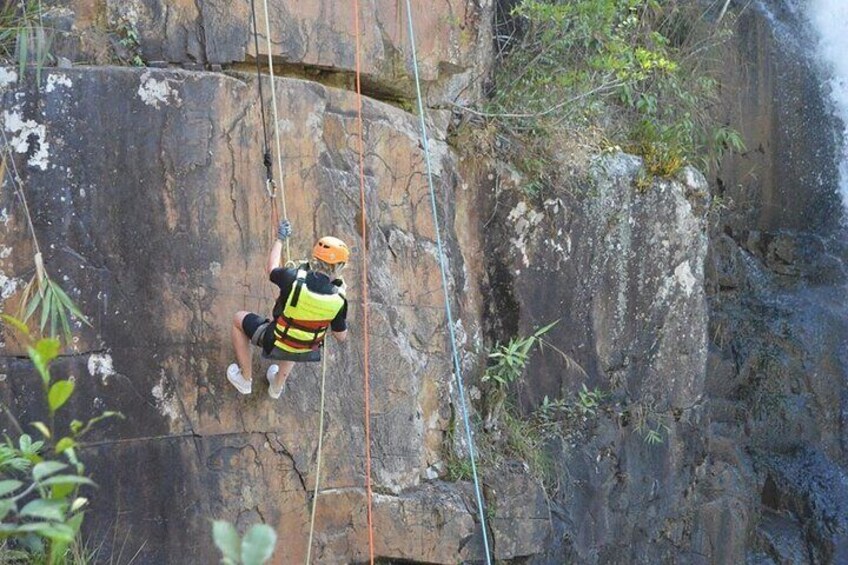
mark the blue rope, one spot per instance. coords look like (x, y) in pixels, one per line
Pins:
(442, 264)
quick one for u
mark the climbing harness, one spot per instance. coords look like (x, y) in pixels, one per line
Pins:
(318, 463)
(303, 323)
(442, 264)
(365, 319)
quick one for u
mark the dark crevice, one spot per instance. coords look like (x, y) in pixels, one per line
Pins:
(331, 77)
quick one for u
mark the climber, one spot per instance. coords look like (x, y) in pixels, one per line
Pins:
(312, 298)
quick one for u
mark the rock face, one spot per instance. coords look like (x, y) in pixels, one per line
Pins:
(147, 187)
(623, 271)
(776, 277)
(775, 96)
(315, 37)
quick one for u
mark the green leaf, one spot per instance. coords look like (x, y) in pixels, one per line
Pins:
(59, 394)
(45, 351)
(257, 547)
(67, 480)
(45, 509)
(47, 468)
(15, 323)
(65, 443)
(7, 530)
(54, 316)
(76, 426)
(23, 45)
(45, 308)
(6, 506)
(227, 539)
(61, 492)
(9, 486)
(79, 502)
(33, 305)
(66, 328)
(56, 532)
(103, 416)
(69, 304)
(25, 442)
(42, 427)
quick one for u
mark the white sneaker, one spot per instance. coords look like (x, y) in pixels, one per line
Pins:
(270, 374)
(237, 379)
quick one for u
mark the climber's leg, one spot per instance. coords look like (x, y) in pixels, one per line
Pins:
(277, 375)
(240, 375)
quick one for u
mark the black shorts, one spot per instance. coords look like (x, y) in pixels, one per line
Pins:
(256, 327)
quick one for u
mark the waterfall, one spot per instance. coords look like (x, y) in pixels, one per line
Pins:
(829, 20)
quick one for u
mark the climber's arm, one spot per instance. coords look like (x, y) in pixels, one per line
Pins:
(339, 324)
(275, 257)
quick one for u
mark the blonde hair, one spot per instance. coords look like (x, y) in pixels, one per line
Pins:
(332, 271)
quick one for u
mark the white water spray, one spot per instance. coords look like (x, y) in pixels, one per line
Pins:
(829, 19)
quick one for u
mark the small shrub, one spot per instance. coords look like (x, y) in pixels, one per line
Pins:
(648, 422)
(41, 511)
(511, 358)
(128, 50)
(509, 361)
(606, 68)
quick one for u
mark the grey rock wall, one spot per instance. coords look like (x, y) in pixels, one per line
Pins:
(623, 271)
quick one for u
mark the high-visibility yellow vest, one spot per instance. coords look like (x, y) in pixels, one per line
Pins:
(304, 321)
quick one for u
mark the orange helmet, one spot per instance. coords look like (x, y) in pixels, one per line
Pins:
(331, 250)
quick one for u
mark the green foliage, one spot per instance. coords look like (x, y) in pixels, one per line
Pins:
(129, 40)
(585, 404)
(648, 422)
(638, 70)
(57, 309)
(524, 439)
(41, 511)
(511, 358)
(256, 548)
(23, 38)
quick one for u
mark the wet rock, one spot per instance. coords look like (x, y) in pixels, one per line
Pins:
(807, 484)
(781, 539)
(775, 97)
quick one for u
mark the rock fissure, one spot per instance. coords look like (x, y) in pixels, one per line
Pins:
(326, 76)
(280, 449)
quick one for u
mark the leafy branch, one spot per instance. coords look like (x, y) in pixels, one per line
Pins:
(41, 294)
(40, 480)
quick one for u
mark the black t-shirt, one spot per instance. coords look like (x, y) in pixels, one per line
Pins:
(317, 283)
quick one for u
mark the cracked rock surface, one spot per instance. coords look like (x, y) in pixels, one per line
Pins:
(315, 37)
(152, 210)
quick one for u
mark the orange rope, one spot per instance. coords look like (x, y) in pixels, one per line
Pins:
(366, 368)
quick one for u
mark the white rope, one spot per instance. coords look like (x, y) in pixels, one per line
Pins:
(325, 353)
(276, 120)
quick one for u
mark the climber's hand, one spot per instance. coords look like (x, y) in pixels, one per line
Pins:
(284, 230)
(341, 286)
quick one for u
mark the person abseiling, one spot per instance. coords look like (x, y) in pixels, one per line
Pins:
(311, 302)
